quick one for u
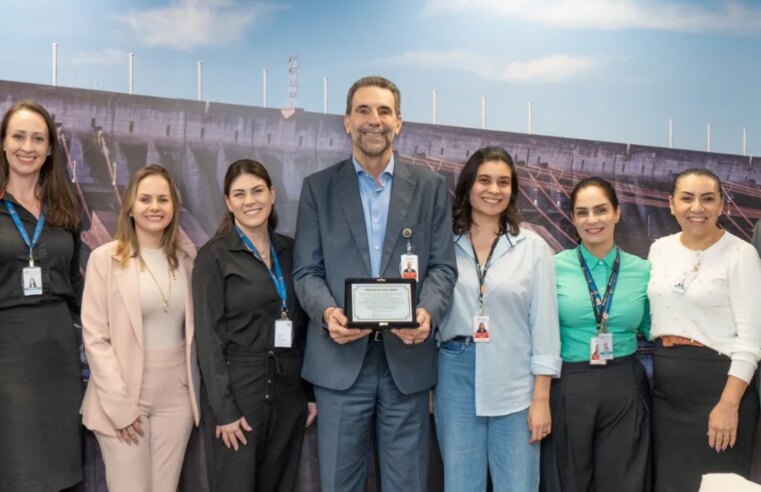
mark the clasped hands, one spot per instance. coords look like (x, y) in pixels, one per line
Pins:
(335, 320)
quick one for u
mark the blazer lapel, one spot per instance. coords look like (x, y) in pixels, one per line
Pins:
(184, 279)
(402, 191)
(128, 283)
(347, 188)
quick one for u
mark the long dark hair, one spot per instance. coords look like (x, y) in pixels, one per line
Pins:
(509, 219)
(237, 168)
(53, 188)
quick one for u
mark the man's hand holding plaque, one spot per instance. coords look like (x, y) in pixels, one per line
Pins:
(335, 322)
(412, 336)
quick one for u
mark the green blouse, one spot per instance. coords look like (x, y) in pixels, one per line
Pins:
(629, 309)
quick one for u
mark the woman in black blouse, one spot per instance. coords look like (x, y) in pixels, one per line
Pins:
(40, 289)
(251, 333)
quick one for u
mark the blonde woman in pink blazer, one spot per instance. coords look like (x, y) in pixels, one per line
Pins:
(137, 324)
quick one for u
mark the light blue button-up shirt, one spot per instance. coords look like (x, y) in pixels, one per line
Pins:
(521, 302)
(375, 202)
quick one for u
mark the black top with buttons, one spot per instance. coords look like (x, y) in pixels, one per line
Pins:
(56, 253)
(236, 305)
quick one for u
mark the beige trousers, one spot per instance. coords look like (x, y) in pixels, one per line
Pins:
(154, 464)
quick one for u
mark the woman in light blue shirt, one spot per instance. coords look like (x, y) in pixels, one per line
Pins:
(499, 345)
(600, 407)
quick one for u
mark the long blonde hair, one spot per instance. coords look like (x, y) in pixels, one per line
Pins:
(126, 238)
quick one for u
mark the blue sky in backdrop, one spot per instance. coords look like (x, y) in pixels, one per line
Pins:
(613, 70)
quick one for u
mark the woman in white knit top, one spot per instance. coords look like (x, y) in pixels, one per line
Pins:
(706, 319)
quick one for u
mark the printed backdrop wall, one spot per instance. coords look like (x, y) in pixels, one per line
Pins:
(107, 136)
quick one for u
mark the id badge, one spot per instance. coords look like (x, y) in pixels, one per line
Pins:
(31, 281)
(408, 266)
(284, 333)
(481, 331)
(605, 341)
(684, 282)
(594, 353)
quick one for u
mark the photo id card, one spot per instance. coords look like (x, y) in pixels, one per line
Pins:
(31, 279)
(408, 266)
(594, 352)
(481, 331)
(605, 341)
(684, 281)
(284, 333)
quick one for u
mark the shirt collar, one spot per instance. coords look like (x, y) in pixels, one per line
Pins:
(506, 242)
(233, 242)
(592, 260)
(360, 171)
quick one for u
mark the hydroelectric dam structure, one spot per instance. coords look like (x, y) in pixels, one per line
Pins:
(106, 136)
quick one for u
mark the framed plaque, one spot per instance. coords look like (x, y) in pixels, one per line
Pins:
(381, 303)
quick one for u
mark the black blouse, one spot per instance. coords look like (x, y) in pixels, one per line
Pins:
(56, 253)
(236, 305)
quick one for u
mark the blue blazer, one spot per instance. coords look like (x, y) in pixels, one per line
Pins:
(331, 245)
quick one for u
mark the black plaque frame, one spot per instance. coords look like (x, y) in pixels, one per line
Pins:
(379, 325)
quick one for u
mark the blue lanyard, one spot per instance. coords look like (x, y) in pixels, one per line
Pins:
(601, 307)
(276, 276)
(37, 230)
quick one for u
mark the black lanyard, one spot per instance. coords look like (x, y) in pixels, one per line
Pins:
(481, 274)
(601, 307)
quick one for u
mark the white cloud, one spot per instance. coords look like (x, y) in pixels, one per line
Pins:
(555, 68)
(188, 24)
(106, 56)
(671, 15)
(558, 68)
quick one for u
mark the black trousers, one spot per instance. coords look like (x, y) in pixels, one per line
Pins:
(268, 390)
(687, 384)
(600, 438)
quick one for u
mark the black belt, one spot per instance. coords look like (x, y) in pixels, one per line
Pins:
(461, 339)
(377, 336)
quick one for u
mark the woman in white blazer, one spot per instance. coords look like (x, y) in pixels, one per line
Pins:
(137, 325)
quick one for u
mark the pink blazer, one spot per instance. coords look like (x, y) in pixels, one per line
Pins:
(112, 329)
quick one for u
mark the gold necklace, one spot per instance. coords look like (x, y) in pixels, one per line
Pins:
(264, 252)
(164, 298)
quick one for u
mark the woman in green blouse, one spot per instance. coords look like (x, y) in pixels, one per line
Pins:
(601, 404)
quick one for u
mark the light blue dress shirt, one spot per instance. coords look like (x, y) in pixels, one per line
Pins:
(375, 202)
(521, 302)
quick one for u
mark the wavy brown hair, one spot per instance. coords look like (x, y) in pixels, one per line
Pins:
(462, 220)
(236, 169)
(53, 189)
(126, 238)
